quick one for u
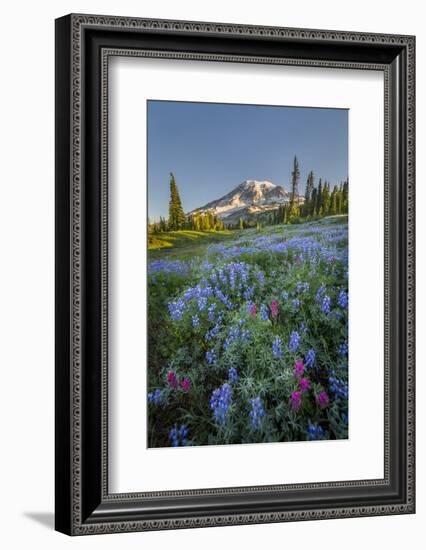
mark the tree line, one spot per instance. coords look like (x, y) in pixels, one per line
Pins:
(318, 201)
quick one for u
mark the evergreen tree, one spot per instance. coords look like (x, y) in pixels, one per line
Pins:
(285, 216)
(195, 223)
(241, 223)
(313, 205)
(308, 192)
(295, 176)
(210, 220)
(319, 198)
(334, 194)
(326, 198)
(339, 202)
(176, 213)
(345, 197)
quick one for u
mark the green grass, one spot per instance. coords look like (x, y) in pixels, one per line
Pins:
(185, 244)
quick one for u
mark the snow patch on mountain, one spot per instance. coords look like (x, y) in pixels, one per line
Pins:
(251, 196)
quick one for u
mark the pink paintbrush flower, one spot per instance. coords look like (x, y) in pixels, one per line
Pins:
(274, 309)
(296, 400)
(299, 367)
(172, 380)
(323, 400)
(305, 384)
(186, 384)
(253, 310)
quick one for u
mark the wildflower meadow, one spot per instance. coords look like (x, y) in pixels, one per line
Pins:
(248, 338)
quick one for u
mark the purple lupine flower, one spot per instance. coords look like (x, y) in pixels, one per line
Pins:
(343, 348)
(315, 432)
(310, 358)
(320, 292)
(264, 313)
(325, 305)
(294, 341)
(195, 321)
(220, 402)
(211, 311)
(178, 436)
(277, 347)
(202, 303)
(337, 386)
(176, 310)
(257, 412)
(233, 375)
(210, 356)
(343, 299)
(155, 397)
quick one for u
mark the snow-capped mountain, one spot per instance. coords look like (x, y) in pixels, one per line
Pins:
(250, 197)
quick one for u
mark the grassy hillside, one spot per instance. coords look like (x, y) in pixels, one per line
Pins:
(187, 244)
(180, 243)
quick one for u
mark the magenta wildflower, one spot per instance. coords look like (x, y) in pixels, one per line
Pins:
(305, 384)
(296, 400)
(172, 380)
(274, 309)
(323, 400)
(252, 310)
(186, 384)
(299, 367)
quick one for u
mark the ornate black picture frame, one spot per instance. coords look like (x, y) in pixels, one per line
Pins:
(84, 44)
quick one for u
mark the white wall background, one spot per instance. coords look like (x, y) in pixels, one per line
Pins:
(26, 289)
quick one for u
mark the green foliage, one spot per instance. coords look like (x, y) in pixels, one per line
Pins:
(205, 222)
(176, 213)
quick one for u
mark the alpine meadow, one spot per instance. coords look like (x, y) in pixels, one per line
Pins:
(247, 287)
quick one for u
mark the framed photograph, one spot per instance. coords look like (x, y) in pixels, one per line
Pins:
(234, 274)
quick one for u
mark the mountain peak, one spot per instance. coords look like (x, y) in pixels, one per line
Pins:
(249, 197)
(265, 184)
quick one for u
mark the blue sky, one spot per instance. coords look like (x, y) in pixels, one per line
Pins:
(211, 148)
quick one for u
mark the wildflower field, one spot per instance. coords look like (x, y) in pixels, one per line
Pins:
(248, 337)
